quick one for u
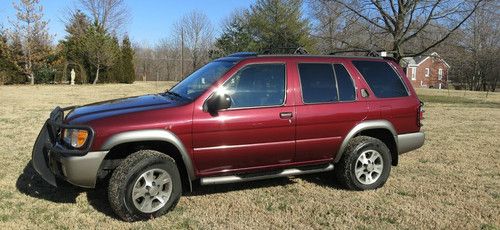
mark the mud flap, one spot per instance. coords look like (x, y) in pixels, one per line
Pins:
(40, 158)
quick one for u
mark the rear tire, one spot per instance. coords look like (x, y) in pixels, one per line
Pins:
(365, 164)
(145, 185)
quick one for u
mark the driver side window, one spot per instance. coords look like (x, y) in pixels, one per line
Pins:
(257, 85)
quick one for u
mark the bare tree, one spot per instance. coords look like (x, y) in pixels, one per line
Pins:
(473, 50)
(336, 30)
(195, 32)
(484, 45)
(402, 21)
(110, 15)
(31, 29)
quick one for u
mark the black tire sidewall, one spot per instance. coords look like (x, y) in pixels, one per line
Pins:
(386, 157)
(137, 169)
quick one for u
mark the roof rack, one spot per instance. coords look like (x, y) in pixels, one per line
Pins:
(302, 51)
(243, 54)
(285, 50)
(370, 53)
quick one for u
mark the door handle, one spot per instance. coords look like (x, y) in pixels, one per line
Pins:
(286, 115)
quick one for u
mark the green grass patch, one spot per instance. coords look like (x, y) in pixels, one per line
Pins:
(488, 227)
(469, 102)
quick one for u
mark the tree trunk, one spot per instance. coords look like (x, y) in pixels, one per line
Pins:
(30, 72)
(96, 75)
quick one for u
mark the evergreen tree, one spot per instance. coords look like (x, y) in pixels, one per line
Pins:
(115, 72)
(74, 45)
(127, 60)
(236, 36)
(99, 50)
(9, 71)
(278, 26)
(273, 26)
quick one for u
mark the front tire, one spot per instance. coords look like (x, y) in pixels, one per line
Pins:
(145, 185)
(365, 164)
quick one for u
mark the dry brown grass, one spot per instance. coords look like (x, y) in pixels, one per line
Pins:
(451, 182)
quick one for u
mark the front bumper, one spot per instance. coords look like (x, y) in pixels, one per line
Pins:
(51, 159)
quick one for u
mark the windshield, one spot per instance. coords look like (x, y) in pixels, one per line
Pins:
(196, 83)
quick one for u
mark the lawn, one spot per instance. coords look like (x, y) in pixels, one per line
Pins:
(453, 181)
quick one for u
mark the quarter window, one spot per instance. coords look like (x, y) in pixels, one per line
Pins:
(257, 85)
(381, 78)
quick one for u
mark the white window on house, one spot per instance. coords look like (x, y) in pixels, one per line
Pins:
(427, 72)
(413, 73)
(440, 74)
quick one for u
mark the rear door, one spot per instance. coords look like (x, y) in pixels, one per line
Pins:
(327, 109)
(256, 132)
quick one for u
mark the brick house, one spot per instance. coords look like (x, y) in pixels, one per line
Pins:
(427, 71)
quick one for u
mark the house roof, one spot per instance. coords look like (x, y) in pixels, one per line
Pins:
(416, 61)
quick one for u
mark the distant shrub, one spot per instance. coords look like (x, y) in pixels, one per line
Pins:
(44, 75)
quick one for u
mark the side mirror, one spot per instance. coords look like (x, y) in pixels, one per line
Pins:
(218, 102)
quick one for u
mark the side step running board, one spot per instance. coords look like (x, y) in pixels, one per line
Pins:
(261, 176)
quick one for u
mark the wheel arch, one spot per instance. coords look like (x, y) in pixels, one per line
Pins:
(123, 144)
(380, 129)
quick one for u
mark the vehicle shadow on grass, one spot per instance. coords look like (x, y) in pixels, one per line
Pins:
(325, 179)
(32, 184)
(321, 179)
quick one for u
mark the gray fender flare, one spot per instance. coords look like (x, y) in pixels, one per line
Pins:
(366, 125)
(153, 135)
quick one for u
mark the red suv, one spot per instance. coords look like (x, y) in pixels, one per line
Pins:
(239, 118)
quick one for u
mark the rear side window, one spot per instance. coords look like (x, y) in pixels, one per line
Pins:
(381, 78)
(325, 83)
(318, 83)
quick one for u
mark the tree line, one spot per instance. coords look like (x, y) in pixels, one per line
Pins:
(464, 33)
(91, 48)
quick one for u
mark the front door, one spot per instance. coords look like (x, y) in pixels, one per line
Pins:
(256, 132)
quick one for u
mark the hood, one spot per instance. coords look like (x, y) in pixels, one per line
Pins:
(120, 107)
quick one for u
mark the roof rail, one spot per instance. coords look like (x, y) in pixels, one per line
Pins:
(243, 54)
(371, 53)
(284, 50)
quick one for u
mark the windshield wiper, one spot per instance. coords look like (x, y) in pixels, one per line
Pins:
(175, 94)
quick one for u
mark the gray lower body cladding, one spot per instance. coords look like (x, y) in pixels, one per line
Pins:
(77, 170)
(410, 141)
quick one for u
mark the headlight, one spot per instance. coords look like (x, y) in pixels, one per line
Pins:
(75, 137)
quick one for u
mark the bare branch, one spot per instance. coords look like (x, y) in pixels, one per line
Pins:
(451, 31)
(360, 15)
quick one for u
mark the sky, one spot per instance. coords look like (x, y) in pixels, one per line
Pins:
(151, 20)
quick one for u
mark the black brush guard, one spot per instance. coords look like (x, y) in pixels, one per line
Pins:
(49, 146)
